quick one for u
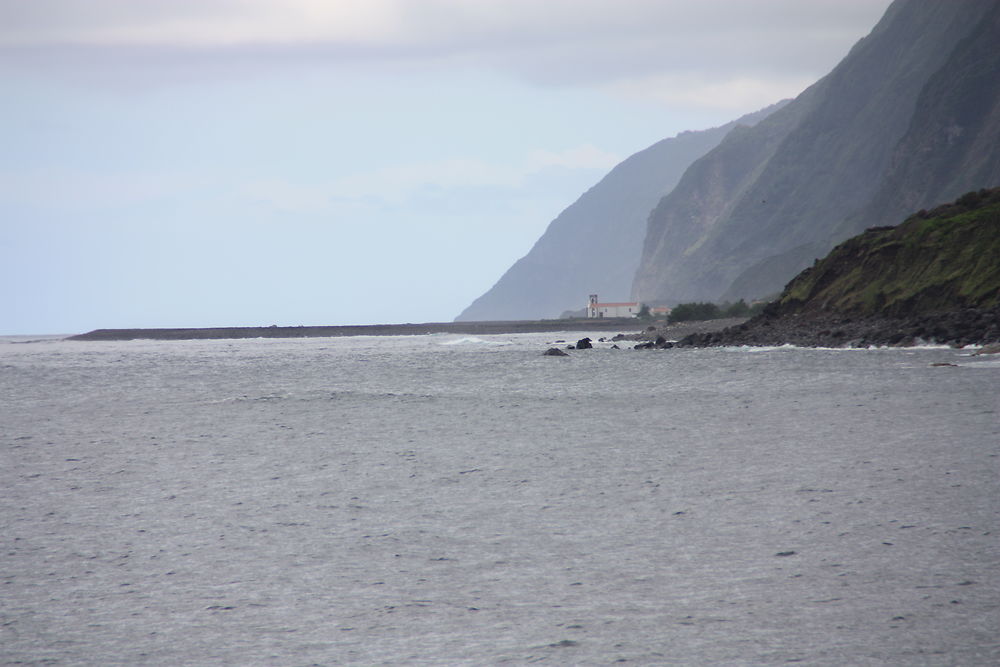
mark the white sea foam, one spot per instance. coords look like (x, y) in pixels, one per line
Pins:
(474, 340)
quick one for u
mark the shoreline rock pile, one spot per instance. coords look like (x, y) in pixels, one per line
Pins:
(959, 328)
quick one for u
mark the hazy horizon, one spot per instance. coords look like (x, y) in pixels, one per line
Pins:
(176, 164)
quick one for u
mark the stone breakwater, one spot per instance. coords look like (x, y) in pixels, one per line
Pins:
(956, 328)
(471, 328)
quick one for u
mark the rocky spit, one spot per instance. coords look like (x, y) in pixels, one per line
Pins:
(409, 329)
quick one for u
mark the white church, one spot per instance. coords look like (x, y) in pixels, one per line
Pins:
(595, 309)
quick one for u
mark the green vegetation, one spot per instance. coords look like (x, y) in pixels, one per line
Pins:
(939, 260)
(696, 310)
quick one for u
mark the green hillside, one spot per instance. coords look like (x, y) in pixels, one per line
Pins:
(942, 260)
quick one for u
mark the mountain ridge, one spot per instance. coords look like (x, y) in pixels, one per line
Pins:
(835, 146)
(594, 245)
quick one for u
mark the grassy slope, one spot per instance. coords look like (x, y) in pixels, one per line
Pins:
(943, 260)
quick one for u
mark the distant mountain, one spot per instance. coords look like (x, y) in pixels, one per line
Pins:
(594, 246)
(911, 116)
(935, 277)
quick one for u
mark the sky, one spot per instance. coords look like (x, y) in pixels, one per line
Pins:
(196, 163)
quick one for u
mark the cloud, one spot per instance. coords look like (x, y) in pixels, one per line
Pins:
(582, 157)
(611, 44)
(197, 23)
(733, 94)
(454, 24)
(399, 183)
(392, 185)
(286, 196)
(67, 188)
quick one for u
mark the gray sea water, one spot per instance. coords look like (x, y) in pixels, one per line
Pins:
(452, 500)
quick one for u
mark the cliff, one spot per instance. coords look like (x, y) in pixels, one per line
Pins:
(595, 244)
(911, 116)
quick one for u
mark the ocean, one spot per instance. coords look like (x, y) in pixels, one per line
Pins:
(453, 500)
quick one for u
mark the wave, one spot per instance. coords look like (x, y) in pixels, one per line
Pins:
(872, 348)
(473, 340)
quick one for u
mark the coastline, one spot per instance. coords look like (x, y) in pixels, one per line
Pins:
(957, 328)
(680, 330)
(407, 329)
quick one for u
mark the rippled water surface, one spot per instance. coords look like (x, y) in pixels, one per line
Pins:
(450, 500)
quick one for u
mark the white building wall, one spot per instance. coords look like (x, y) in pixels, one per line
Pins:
(617, 311)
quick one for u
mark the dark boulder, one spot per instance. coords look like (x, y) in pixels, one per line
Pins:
(554, 352)
(584, 344)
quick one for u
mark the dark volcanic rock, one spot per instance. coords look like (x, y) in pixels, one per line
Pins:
(959, 328)
(584, 344)
(554, 352)
(660, 343)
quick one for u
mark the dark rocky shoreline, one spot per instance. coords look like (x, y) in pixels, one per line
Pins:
(679, 330)
(957, 328)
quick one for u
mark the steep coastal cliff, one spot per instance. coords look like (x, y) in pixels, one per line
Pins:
(908, 119)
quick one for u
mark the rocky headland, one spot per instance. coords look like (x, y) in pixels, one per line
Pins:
(935, 278)
(958, 328)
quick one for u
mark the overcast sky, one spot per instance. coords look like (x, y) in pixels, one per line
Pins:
(254, 162)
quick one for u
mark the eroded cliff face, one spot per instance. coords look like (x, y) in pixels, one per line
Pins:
(686, 220)
(953, 140)
(770, 199)
(594, 246)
